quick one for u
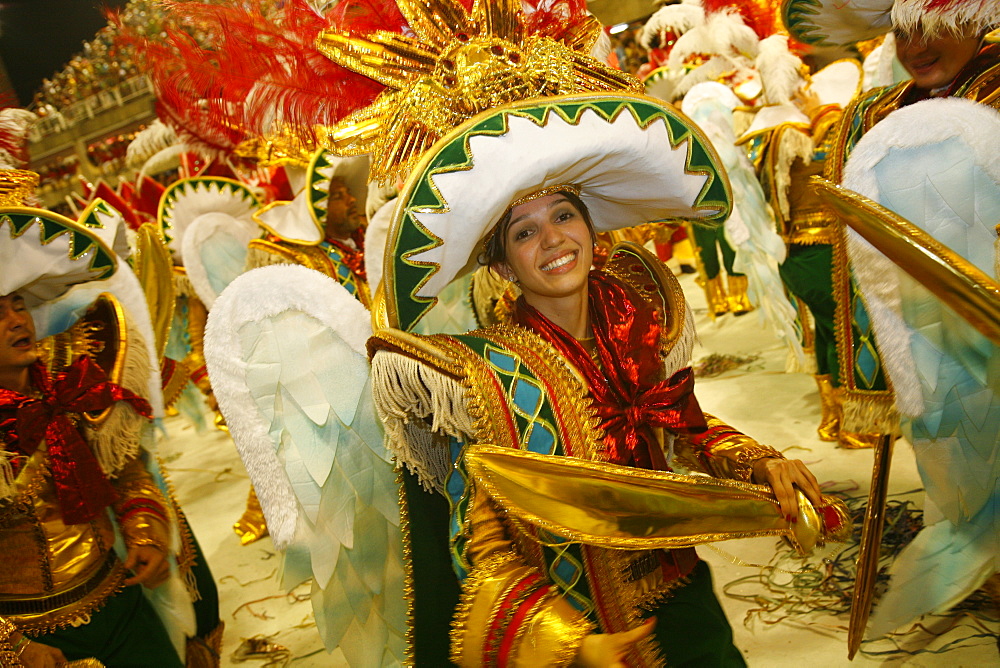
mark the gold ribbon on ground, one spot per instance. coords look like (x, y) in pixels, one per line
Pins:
(627, 508)
(954, 280)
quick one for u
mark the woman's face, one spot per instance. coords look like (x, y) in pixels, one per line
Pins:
(549, 249)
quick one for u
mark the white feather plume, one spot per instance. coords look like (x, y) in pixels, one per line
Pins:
(780, 70)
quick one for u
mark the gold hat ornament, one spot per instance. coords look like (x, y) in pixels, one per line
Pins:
(458, 64)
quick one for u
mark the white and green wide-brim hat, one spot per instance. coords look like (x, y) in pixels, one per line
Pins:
(828, 23)
(185, 200)
(43, 254)
(634, 160)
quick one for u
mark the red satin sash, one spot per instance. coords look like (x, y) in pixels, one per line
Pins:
(82, 488)
(628, 394)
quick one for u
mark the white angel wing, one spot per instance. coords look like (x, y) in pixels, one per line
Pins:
(215, 252)
(934, 163)
(285, 347)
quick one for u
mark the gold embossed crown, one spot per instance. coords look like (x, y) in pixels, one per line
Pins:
(16, 186)
(458, 63)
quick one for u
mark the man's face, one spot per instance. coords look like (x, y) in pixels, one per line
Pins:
(17, 334)
(341, 218)
(935, 62)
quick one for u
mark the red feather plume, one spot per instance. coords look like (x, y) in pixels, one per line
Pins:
(259, 72)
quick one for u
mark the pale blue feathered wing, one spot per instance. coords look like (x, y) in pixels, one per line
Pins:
(935, 166)
(285, 347)
(215, 252)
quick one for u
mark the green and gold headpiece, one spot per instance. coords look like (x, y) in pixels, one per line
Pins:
(634, 159)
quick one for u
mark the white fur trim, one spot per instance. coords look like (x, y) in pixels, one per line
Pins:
(257, 295)
(956, 18)
(927, 122)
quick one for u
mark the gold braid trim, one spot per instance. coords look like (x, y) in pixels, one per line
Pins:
(732, 454)
(141, 527)
(79, 611)
(483, 571)
(404, 528)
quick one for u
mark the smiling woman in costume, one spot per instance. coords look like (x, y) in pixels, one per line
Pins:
(589, 365)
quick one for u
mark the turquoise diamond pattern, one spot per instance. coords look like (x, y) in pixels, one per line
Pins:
(344, 275)
(866, 358)
(527, 398)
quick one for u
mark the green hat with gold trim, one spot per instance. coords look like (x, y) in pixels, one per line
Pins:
(43, 254)
(303, 220)
(633, 159)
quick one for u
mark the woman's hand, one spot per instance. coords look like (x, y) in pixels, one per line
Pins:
(784, 475)
(149, 565)
(607, 650)
(37, 655)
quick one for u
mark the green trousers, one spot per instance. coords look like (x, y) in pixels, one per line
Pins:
(710, 241)
(125, 633)
(692, 629)
(808, 274)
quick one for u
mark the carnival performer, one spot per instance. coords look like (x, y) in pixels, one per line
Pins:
(942, 46)
(98, 554)
(927, 156)
(321, 228)
(591, 365)
(788, 141)
(511, 105)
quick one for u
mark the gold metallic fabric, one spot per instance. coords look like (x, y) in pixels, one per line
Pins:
(154, 268)
(622, 507)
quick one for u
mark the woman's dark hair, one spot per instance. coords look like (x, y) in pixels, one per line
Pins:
(495, 248)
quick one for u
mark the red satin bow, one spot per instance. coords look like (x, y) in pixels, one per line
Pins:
(81, 486)
(627, 394)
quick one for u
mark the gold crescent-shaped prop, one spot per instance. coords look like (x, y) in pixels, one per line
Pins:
(626, 508)
(969, 292)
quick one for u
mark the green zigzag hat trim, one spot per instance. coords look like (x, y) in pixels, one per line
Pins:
(798, 16)
(405, 275)
(52, 226)
(318, 186)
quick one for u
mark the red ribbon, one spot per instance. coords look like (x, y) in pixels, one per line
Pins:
(82, 488)
(629, 395)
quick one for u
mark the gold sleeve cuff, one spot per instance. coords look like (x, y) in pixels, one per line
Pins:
(510, 614)
(142, 510)
(728, 453)
(145, 529)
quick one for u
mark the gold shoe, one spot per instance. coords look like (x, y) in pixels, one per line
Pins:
(856, 441)
(829, 423)
(739, 302)
(715, 295)
(205, 651)
(251, 526)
